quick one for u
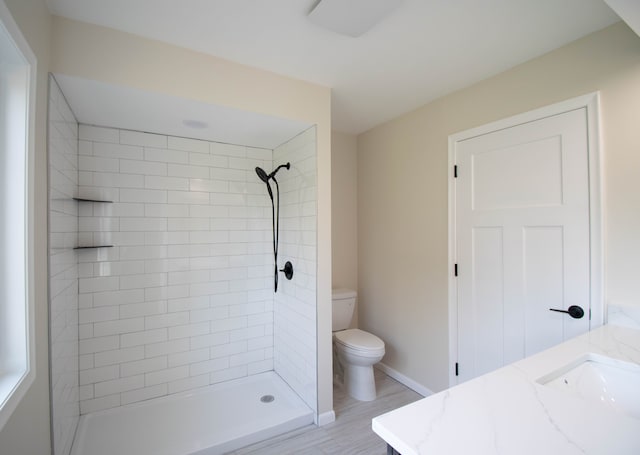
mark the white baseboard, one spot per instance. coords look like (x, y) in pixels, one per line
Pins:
(325, 418)
(402, 379)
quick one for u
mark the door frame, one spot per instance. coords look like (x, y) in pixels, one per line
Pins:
(591, 102)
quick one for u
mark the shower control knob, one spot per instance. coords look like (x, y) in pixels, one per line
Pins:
(288, 270)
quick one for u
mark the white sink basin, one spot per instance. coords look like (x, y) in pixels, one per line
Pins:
(610, 382)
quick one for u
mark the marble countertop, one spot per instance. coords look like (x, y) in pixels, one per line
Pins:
(508, 412)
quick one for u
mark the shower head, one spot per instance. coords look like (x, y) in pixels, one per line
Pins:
(262, 174)
(265, 178)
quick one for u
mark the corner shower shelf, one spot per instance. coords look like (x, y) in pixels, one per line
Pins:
(80, 199)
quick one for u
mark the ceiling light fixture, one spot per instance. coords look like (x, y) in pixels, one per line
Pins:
(351, 17)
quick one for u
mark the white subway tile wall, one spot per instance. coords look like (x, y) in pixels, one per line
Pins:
(63, 269)
(295, 303)
(184, 299)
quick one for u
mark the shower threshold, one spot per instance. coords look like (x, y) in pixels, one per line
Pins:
(207, 421)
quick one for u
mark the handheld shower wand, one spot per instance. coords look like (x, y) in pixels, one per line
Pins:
(265, 178)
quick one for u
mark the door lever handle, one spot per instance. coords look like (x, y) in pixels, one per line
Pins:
(574, 311)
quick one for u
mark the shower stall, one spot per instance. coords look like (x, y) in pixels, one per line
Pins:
(164, 324)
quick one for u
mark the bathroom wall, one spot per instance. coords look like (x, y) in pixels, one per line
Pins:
(295, 307)
(184, 298)
(344, 213)
(63, 269)
(402, 191)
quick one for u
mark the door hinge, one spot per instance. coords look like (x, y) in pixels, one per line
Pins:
(455, 269)
(456, 368)
(455, 171)
(589, 313)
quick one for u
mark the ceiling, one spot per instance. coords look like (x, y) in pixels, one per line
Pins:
(423, 50)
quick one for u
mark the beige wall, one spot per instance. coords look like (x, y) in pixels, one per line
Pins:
(344, 212)
(27, 431)
(97, 53)
(402, 191)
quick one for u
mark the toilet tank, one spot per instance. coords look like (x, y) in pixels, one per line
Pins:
(343, 304)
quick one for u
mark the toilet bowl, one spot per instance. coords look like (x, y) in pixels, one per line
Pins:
(356, 350)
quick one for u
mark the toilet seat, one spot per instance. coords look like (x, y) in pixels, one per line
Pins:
(360, 342)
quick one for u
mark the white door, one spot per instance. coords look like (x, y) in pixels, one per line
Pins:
(522, 240)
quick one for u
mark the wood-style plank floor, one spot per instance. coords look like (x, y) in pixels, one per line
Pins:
(351, 432)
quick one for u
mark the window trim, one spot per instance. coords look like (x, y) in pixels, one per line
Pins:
(9, 403)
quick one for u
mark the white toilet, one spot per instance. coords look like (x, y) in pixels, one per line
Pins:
(357, 350)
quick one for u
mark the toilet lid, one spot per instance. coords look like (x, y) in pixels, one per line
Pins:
(359, 339)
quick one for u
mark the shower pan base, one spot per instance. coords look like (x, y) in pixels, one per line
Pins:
(208, 421)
